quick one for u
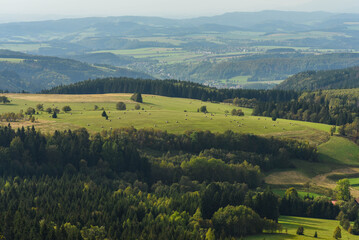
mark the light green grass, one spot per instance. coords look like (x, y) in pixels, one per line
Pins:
(324, 228)
(163, 39)
(302, 194)
(159, 112)
(339, 150)
(12, 60)
(354, 182)
(164, 55)
(23, 47)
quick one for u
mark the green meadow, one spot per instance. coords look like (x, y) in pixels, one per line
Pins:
(174, 115)
(339, 150)
(12, 60)
(324, 228)
(302, 194)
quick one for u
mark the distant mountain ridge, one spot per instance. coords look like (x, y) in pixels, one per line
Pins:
(330, 79)
(147, 26)
(19, 71)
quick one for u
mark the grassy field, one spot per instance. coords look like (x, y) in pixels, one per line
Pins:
(175, 115)
(324, 229)
(354, 182)
(12, 60)
(339, 150)
(23, 47)
(167, 55)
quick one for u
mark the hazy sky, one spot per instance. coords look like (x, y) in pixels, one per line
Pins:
(15, 10)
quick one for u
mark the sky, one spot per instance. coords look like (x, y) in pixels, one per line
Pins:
(24, 10)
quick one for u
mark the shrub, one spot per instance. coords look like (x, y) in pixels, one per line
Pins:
(121, 106)
(66, 108)
(30, 111)
(346, 224)
(137, 97)
(137, 107)
(95, 107)
(203, 109)
(300, 230)
(40, 107)
(337, 233)
(48, 110)
(315, 234)
(104, 114)
(237, 112)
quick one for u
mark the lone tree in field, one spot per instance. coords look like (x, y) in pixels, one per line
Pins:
(300, 230)
(337, 233)
(137, 106)
(203, 109)
(137, 97)
(4, 99)
(66, 108)
(121, 106)
(104, 114)
(54, 115)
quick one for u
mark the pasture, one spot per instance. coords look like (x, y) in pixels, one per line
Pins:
(174, 115)
(323, 227)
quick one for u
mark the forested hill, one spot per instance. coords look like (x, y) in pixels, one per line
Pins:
(19, 71)
(313, 80)
(169, 88)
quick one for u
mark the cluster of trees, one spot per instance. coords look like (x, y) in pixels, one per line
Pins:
(11, 117)
(169, 88)
(244, 102)
(330, 107)
(293, 205)
(330, 79)
(26, 152)
(237, 112)
(351, 130)
(4, 99)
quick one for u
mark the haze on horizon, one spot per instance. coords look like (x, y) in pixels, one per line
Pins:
(29, 10)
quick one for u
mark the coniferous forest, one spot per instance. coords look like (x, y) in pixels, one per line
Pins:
(120, 184)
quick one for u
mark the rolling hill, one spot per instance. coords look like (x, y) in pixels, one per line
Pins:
(313, 80)
(19, 71)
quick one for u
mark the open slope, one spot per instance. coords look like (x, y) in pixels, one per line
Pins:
(172, 114)
(324, 229)
(19, 71)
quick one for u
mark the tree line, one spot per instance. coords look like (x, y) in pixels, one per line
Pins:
(169, 88)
